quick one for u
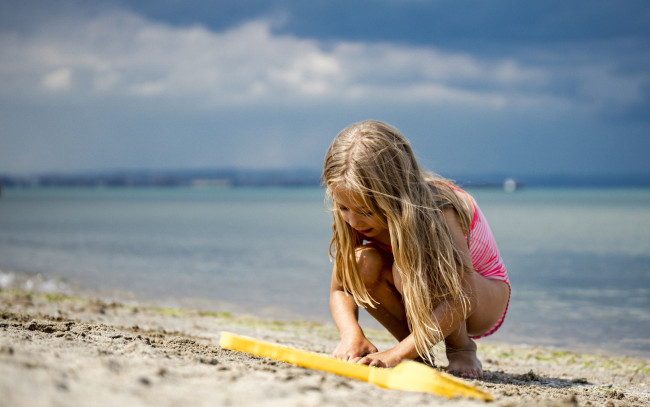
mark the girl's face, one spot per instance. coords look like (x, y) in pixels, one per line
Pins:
(358, 216)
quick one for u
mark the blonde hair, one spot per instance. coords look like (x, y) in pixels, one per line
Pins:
(375, 161)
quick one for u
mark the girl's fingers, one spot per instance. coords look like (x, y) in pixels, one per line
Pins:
(371, 362)
(377, 363)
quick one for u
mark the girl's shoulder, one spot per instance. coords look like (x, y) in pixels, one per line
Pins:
(447, 194)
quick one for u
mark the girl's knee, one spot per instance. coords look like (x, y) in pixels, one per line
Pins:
(372, 266)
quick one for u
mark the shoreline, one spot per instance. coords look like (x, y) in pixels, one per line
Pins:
(74, 350)
(38, 283)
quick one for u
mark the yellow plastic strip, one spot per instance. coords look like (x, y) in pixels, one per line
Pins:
(409, 376)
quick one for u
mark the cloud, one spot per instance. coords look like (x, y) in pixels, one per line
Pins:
(119, 54)
(114, 89)
(58, 79)
(122, 55)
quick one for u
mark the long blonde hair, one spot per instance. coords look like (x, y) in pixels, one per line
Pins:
(375, 161)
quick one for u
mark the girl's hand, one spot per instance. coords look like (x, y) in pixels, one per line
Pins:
(389, 358)
(352, 349)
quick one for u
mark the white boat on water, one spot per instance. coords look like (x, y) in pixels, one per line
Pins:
(510, 185)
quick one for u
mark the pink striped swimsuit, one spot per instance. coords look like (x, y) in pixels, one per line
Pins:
(485, 256)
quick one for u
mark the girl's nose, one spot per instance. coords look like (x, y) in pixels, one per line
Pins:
(353, 220)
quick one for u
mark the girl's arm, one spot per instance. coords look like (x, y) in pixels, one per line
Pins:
(354, 344)
(449, 316)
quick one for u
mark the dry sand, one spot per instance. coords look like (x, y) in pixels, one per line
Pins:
(60, 350)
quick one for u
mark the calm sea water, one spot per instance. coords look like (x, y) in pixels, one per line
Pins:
(579, 259)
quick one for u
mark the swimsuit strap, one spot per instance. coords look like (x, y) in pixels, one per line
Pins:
(385, 247)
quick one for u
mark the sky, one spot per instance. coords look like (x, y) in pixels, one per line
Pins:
(505, 86)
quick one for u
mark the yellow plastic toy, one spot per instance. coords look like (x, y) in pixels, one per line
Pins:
(410, 376)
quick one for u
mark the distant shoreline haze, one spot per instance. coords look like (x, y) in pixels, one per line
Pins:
(293, 178)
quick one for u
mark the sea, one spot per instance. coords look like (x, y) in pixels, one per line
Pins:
(578, 258)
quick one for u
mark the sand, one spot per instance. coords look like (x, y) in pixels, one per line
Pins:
(58, 350)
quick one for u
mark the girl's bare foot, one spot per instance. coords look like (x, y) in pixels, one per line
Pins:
(463, 361)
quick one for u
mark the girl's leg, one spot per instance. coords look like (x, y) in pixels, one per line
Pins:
(376, 267)
(489, 299)
(384, 284)
(461, 354)
(488, 303)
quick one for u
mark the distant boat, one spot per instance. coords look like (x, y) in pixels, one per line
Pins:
(510, 185)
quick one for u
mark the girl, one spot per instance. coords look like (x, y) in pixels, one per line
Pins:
(412, 249)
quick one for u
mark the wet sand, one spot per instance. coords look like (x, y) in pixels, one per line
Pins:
(58, 350)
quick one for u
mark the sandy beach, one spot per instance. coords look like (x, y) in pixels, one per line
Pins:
(62, 350)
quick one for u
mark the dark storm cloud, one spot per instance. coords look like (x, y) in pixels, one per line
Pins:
(541, 86)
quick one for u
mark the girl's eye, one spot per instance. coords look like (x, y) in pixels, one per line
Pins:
(365, 213)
